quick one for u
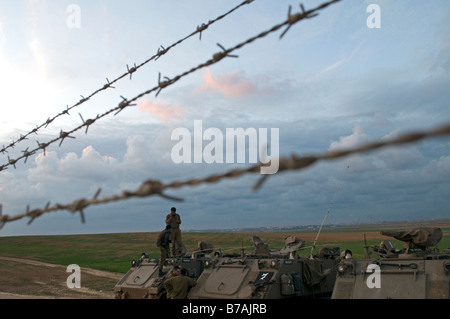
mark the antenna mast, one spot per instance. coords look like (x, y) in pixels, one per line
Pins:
(325, 217)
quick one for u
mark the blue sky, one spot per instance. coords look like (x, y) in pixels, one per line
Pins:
(330, 82)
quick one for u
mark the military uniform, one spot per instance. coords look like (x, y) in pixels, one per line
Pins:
(172, 275)
(174, 220)
(163, 243)
(178, 287)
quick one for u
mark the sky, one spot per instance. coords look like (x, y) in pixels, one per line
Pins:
(359, 72)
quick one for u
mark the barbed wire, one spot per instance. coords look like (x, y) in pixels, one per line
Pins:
(160, 52)
(154, 187)
(162, 84)
(147, 188)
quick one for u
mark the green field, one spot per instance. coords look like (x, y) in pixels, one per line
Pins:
(114, 252)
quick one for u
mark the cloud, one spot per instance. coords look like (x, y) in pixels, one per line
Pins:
(164, 112)
(390, 158)
(90, 166)
(356, 138)
(232, 84)
(439, 168)
(401, 158)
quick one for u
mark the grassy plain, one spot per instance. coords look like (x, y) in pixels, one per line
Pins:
(114, 252)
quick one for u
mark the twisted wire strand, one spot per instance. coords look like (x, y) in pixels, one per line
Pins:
(294, 162)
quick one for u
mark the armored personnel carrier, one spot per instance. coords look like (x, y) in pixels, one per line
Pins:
(414, 272)
(261, 274)
(142, 281)
(267, 274)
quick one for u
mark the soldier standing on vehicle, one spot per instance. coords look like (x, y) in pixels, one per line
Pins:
(174, 220)
(163, 243)
(178, 287)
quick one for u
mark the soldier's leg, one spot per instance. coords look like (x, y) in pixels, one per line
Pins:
(162, 258)
(179, 242)
(172, 243)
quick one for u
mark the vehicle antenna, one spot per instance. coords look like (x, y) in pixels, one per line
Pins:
(325, 217)
(366, 248)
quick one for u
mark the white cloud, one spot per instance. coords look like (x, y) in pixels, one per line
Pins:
(89, 166)
(385, 159)
(46, 165)
(356, 138)
(145, 152)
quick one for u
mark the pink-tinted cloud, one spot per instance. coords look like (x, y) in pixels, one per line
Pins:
(164, 112)
(232, 84)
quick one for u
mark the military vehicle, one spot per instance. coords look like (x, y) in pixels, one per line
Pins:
(417, 271)
(142, 281)
(263, 273)
(268, 274)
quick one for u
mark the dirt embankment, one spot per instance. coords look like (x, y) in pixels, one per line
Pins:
(29, 279)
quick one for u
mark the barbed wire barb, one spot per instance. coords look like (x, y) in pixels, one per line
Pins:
(220, 55)
(200, 29)
(12, 162)
(293, 18)
(27, 154)
(47, 122)
(83, 100)
(43, 146)
(132, 70)
(160, 52)
(108, 85)
(88, 122)
(66, 111)
(125, 103)
(63, 135)
(162, 84)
